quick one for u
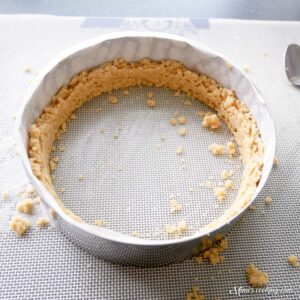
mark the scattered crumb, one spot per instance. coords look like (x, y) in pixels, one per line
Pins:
(80, 177)
(135, 233)
(177, 94)
(25, 206)
(217, 149)
(182, 120)
(125, 92)
(173, 121)
(228, 184)
(220, 193)
(188, 103)
(183, 131)
(62, 148)
(276, 162)
(293, 261)
(36, 200)
(252, 207)
(211, 249)
(151, 103)
(179, 150)
(268, 200)
(180, 228)
(99, 223)
(42, 222)
(52, 213)
(175, 206)
(211, 121)
(150, 95)
(19, 225)
(5, 195)
(226, 174)
(162, 138)
(113, 99)
(99, 109)
(246, 68)
(256, 278)
(231, 148)
(176, 113)
(195, 294)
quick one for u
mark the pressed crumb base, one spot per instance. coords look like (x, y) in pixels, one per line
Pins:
(121, 74)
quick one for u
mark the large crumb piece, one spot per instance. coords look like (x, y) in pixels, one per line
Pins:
(217, 149)
(179, 150)
(173, 121)
(175, 206)
(211, 121)
(231, 148)
(19, 225)
(25, 206)
(178, 229)
(256, 278)
(212, 249)
(113, 99)
(293, 261)
(99, 223)
(183, 131)
(220, 193)
(42, 222)
(151, 103)
(182, 120)
(195, 294)
(226, 174)
(5, 195)
(268, 200)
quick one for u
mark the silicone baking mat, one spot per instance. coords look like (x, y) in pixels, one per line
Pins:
(44, 265)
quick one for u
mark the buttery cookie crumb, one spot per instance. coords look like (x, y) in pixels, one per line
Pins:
(125, 92)
(42, 222)
(188, 103)
(173, 121)
(226, 174)
(151, 103)
(293, 261)
(268, 200)
(99, 223)
(178, 229)
(195, 294)
(19, 225)
(175, 206)
(220, 193)
(179, 150)
(99, 109)
(211, 121)
(201, 113)
(5, 195)
(252, 207)
(256, 278)
(177, 94)
(27, 69)
(113, 99)
(183, 131)
(229, 66)
(217, 149)
(80, 177)
(231, 148)
(182, 120)
(62, 148)
(25, 206)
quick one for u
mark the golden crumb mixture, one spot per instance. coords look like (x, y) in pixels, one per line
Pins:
(217, 149)
(211, 121)
(151, 103)
(256, 278)
(120, 74)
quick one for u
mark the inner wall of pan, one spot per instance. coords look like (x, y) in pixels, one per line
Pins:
(120, 164)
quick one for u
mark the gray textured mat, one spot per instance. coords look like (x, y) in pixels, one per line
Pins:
(44, 265)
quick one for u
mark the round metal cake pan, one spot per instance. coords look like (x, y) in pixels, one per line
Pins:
(132, 46)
